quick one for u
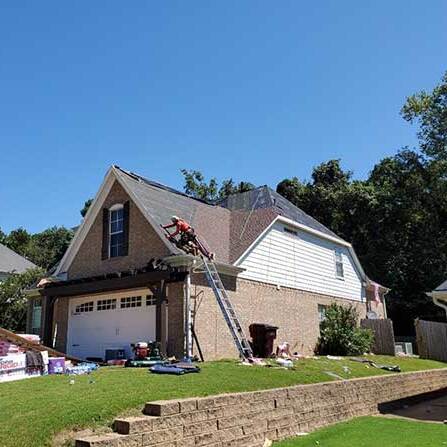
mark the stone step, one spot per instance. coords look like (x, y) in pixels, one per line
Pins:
(131, 425)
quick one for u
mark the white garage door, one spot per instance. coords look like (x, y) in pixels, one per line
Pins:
(110, 322)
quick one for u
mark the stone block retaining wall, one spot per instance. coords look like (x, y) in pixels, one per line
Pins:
(248, 419)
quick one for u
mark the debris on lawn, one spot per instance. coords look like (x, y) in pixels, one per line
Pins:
(392, 368)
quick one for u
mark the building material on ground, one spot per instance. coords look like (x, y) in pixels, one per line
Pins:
(27, 344)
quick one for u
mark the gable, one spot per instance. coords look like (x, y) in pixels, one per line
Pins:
(295, 258)
(144, 242)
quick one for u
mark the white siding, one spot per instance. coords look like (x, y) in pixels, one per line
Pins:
(303, 261)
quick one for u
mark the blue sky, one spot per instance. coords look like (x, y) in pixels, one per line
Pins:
(253, 90)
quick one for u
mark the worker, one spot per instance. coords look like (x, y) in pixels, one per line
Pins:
(188, 237)
(181, 226)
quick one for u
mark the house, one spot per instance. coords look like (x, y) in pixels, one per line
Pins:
(439, 296)
(11, 262)
(122, 281)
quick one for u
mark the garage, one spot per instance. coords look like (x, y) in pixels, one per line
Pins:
(114, 321)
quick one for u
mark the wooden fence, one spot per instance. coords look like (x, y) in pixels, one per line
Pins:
(431, 338)
(383, 335)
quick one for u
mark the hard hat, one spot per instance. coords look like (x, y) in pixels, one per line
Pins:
(174, 218)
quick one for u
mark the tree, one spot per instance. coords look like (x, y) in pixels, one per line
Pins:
(196, 186)
(48, 247)
(13, 301)
(430, 111)
(45, 249)
(86, 206)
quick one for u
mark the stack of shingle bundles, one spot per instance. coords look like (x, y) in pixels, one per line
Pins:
(7, 348)
(12, 367)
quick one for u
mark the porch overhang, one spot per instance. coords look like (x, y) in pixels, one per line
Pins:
(108, 284)
(186, 263)
(439, 298)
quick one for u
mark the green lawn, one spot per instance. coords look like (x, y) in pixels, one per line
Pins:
(33, 410)
(373, 432)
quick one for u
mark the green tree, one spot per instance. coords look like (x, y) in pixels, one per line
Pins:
(86, 206)
(45, 249)
(48, 247)
(429, 110)
(13, 301)
(196, 186)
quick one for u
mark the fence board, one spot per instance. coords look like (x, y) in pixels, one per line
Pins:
(431, 338)
(383, 335)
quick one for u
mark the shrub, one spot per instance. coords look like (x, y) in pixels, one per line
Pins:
(340, 335)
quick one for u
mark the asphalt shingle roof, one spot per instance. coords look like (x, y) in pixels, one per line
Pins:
(11, 262)
(228, 227)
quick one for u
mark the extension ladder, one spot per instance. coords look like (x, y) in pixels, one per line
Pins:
(213, 277)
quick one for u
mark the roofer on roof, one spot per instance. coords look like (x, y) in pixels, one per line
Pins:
(188, 239)
(181, 226)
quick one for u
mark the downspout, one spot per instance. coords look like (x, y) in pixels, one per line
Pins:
(188, 334)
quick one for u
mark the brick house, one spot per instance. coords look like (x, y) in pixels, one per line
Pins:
(122, 281)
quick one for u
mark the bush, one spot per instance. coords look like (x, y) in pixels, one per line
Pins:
(340, 335)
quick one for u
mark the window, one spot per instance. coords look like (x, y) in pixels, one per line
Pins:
(116, 231)
(291, 232)
(151, 300)
(36, 316)
(84, 307)
(108, 304)
(321, 312)
(130, 301)
(339, 271)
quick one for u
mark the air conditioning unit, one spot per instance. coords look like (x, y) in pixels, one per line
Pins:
(404, 348)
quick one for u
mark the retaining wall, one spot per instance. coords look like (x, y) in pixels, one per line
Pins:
(248, 419)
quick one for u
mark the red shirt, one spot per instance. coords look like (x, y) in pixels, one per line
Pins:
(180, 227)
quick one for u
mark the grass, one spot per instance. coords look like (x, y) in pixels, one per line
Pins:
(373, 432)
(34, 410)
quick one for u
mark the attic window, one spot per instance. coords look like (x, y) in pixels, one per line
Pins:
(292, 232)
(339, 270)
(116, 231)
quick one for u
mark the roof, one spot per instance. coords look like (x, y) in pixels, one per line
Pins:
(12, 262)
(442, 287)
(228, 227)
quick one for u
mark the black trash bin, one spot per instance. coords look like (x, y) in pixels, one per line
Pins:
(263, 336)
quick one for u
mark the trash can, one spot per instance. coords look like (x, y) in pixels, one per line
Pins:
(263, 336)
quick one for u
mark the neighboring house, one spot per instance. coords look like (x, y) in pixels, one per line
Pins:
(439, 296)
(11, 262)
(279, 265)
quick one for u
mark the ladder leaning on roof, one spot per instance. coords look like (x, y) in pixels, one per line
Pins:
(213, 277)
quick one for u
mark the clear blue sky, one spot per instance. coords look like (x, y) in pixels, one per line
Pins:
(254, 90)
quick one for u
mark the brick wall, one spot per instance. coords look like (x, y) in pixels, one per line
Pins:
(248, 419)
(295, 312)
(144, 243)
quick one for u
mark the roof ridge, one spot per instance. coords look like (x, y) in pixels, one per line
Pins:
(159, 185)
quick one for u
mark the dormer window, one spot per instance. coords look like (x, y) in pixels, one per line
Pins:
(116, 231)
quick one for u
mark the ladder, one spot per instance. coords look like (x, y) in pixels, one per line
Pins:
(241, 342)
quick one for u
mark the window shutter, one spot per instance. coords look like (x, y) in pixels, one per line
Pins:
(126, 216)
(105, 234)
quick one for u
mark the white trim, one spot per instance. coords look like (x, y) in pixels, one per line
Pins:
(116, 207)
